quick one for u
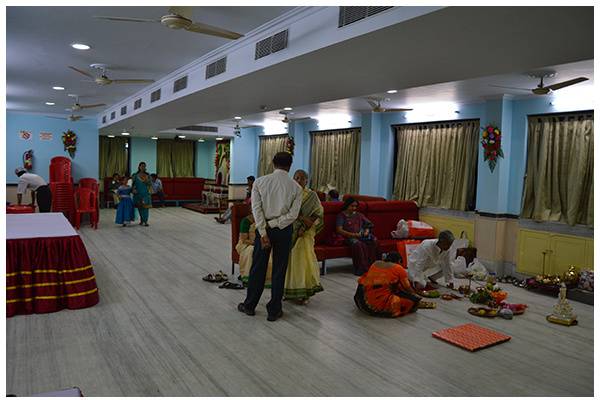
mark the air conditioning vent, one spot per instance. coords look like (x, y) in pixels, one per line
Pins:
(104, 119)
(272, 44)
(349, 15)
(199, 128)
(216, 68)
(155, 96)
(113, 115)
(123, 110)
(180, 84)
(137, 104)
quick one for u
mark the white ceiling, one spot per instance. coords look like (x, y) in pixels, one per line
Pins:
(38, 50)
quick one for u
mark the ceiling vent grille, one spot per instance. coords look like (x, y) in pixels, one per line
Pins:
(155, 96)
(199, 128)
(180, 84)
(123, 110)
(137, 104)
(113, 115)
(272, 44)
(104, 119)
(349, 15)
(216, 68)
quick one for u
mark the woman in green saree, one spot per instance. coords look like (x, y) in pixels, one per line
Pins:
(142, 192)
(302, 276)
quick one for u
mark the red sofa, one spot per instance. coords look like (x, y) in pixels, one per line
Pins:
(362, 197)
(176, 190)
(384, 215)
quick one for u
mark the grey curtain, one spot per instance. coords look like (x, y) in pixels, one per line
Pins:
(269, 146)
(559, 183)
(436, 164)
(335, 160)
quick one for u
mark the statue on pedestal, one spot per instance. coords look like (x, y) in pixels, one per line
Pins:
(562, 312)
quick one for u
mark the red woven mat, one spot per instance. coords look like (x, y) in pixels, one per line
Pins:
(471, 337)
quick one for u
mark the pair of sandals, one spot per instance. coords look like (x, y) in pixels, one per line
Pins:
(216, 278)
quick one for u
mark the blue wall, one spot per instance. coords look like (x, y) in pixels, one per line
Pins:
(244, 150)
(85, 162)
(205, 159)
(142, 149)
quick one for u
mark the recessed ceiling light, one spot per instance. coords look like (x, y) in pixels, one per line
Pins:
(392, 91)
(80, 46)
(58, 88)
(111, 135)
(154, 138)
(219, 138)
(237, 117)
(125, 133)
(287, 108)
(201, 140)
(49, 103)
(181, 136)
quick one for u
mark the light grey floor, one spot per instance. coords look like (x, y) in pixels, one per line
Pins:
(159, 330)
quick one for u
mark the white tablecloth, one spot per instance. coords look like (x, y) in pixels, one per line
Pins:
(38, 225)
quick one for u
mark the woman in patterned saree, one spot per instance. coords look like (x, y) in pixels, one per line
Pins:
(142, 192)
(302, 276)
(245, 248)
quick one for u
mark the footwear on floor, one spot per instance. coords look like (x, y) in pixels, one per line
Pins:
(273, 318)
(242, 308)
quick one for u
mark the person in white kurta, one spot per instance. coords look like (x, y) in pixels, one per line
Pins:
(430, 260)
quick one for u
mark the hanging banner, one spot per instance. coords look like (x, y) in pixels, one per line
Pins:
(45, 135)
(25, 135)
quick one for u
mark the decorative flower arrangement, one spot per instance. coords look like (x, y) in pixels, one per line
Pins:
(28, 160)
(289, 145)
(492, 145)
(69, 139)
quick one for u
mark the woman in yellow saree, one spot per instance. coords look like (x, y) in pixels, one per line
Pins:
(302, 276)
(245, 248)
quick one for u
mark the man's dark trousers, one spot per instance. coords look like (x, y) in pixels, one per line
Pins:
(281, 241)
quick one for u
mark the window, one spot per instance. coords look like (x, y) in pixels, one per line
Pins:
(271, 44)
(155, 96)
(123, 110)
(113, 115)
(216, 68)
(559, 180)
(137, 104)
(349, 15)
(436, 164)
(104, 119)
(180, 84)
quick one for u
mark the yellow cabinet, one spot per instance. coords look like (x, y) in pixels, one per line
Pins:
(453, 224)
(549, 253)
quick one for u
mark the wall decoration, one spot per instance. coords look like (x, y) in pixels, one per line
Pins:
(492, 145)
(222, 159)
(69, 139)
(25, 135)
(289, 145)
(28, 160)
(45, 135)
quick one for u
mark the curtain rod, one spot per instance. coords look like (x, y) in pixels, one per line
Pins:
(338, 129)
(437, 122)
(279, 134)
(556, 114)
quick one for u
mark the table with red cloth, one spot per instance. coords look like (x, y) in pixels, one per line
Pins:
(47, 266)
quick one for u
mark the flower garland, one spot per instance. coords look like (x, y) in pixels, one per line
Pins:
(289, 145)
(492, 145)
(69, 139)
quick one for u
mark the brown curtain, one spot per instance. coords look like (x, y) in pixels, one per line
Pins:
(112, 156)
(335, 160)
(175, 158)
(559, 183)
(269, 146)
(436, 164)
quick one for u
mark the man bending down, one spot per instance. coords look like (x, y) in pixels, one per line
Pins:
(430, 260)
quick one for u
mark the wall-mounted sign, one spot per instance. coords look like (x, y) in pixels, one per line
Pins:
(45, 135)
(25, 135)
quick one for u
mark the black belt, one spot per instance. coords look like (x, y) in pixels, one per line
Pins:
(42, 186)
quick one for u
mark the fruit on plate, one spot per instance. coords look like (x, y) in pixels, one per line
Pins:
(430, 293)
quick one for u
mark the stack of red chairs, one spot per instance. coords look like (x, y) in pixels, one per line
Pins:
(87, 203)
(91, 183)
(61, 186)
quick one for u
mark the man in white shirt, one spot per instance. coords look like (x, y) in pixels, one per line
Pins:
(276, 201)
(37, 185)
(430, 260)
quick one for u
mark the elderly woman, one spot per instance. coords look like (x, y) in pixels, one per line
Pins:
(356, 230)
(385, 291)
(245, 248)
(302, 276)
(430, 260)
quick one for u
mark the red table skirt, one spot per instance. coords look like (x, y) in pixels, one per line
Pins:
(45, 275)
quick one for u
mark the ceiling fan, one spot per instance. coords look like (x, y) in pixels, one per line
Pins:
(72, 117)
(77, 106)
(237, 129)
(181, 18)
(543, 90)
(104, 80)
(375, 103)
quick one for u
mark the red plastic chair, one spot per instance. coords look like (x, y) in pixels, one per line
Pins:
(91, 183)
(86, 203)
(60, 170)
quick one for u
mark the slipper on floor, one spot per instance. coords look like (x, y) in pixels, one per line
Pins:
(211, 278)
(221, 276)
(231, 285)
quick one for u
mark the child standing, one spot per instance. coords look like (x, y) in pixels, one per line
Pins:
(125, 212)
